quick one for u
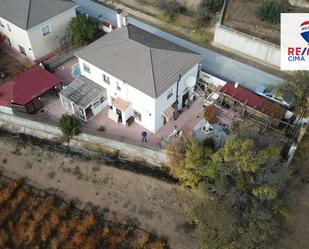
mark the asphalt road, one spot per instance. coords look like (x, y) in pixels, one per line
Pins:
(214, 63)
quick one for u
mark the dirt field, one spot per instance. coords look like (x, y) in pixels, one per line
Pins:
(151, 204)
(241, 15)
(296, 231)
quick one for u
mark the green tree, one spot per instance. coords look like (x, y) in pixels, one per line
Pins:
(215, 225)
(194, 169)
(245, 179)
(297, 87)
(82, 30)
(70, 127)
(270, 10)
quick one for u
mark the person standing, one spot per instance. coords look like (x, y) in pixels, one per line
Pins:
(144, 136)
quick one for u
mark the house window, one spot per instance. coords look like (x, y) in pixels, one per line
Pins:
(106, 79)
(86, 68)
(45, 30)
(22, 49)
(118, 87)
(170, 93)
(66, 103)
(137, 115)
(96, 104)
(9, 28)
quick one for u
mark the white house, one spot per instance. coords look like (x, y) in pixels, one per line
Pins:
(146, 79)
(36, 28)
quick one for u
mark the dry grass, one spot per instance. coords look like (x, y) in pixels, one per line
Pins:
(30, 219)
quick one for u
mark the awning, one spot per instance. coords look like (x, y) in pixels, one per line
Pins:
(169, 112)
(121, 104)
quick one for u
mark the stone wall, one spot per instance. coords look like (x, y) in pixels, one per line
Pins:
(87, 141)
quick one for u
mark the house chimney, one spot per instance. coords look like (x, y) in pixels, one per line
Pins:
(124, 16)
(236, 84)
(119, 18)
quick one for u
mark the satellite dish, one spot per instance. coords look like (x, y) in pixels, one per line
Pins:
(191, 81)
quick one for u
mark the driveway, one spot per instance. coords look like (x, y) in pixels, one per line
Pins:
(214, 63)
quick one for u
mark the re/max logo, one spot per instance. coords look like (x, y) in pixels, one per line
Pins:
(297, 53)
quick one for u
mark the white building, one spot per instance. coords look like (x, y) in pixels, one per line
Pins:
(36, 28)
(146, 79)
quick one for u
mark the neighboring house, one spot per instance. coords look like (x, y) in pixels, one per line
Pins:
(144, 76)
(36, 28)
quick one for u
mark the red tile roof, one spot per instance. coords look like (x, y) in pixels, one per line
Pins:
(248, 98)
(27, 86)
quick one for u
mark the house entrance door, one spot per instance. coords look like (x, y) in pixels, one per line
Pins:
(119, 115)
(184, 99)
(8, 41)
(22, 49)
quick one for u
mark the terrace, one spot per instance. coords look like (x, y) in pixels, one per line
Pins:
(186, 121)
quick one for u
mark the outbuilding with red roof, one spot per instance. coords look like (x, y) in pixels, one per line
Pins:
(251, 104)
(23, 92)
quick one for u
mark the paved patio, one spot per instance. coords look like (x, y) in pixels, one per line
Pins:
(188, 119)
(65, 71)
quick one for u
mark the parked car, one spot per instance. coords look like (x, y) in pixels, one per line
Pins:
(268, 93)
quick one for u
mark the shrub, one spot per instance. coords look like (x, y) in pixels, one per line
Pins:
(70, 127)
(82, 30)
(171, 8)
(210, 113)
(209, 143)
(270, 10)
(212, 5)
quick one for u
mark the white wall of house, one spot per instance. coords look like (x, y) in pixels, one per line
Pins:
(17, 37)
(141, 103)
(35, 44)
(58, 26)
(162, 102)
(150, 108)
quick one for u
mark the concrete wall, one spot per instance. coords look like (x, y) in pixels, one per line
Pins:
(248, 45)
(124, 150)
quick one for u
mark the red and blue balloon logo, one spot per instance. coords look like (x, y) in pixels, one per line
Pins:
(304, 31)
